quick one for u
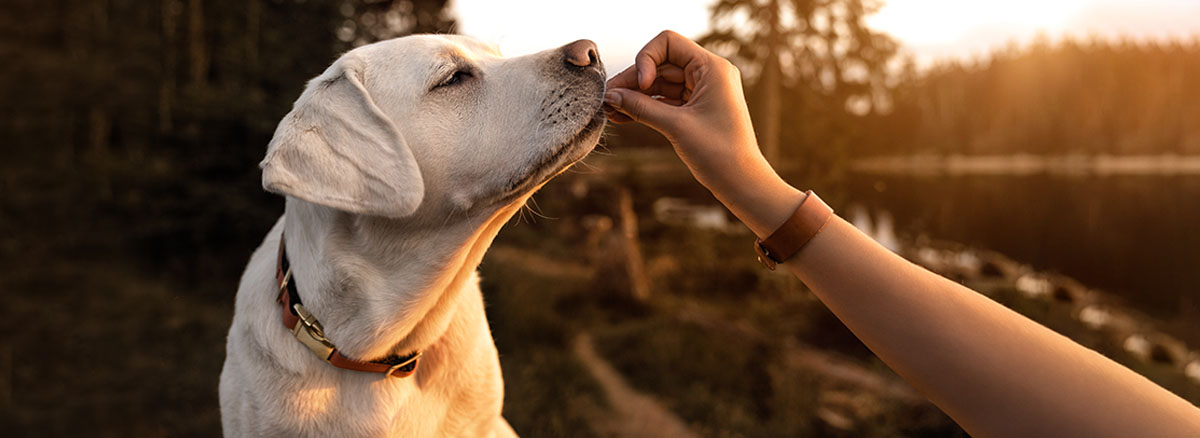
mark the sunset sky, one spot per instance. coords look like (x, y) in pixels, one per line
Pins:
(928, 29)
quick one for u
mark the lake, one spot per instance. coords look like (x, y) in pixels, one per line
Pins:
(1136, 236)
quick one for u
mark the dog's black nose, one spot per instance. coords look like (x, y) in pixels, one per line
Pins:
(581, 53)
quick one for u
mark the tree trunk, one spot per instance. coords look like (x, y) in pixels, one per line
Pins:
(634, 263)
(771, 88)
(99, 132)
(99, 140)
(197, 47)
(170, 51)
(253, 18)
(771, 107)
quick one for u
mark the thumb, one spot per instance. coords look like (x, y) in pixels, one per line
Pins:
(642, 108)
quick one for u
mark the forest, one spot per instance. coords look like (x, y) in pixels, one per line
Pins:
(157, 113)
(1070, 97)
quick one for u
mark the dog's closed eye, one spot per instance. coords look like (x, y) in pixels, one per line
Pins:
(455, 78)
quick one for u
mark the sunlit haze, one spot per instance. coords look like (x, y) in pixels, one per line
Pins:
(928, 29)
(939, 29)
(619, 27)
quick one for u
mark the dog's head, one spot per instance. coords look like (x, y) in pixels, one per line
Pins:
(432, 124)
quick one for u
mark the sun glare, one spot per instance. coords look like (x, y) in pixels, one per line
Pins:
(928, 29)
(943, 22)
(619, 27)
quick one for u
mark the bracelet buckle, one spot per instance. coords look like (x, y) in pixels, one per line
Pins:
(764, 256)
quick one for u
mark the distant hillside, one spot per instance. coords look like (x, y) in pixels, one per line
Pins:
(1068, 98)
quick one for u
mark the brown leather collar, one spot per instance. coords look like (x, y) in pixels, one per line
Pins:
(308, 330)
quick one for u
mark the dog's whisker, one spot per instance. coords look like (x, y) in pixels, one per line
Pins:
(450, 216)
(604, 152)
(536, 209)
(520, 216)
(586, 168)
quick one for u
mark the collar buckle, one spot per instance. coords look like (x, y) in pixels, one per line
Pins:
(305, 327)
(310, 333)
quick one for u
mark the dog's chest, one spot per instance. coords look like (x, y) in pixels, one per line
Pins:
(273, 386)
(455, 392)
(462, 407)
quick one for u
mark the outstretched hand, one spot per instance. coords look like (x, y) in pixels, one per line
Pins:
(694, 98)
(691, 96)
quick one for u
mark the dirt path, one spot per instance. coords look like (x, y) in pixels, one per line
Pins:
(538, 264)
(633, 414)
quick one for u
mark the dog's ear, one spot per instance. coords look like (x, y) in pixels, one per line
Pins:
(337, 148)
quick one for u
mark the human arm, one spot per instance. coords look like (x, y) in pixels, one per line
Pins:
(994, 371)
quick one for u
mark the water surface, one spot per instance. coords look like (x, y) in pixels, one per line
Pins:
(1137, 236)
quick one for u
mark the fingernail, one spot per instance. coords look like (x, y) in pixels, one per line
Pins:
(612, 98)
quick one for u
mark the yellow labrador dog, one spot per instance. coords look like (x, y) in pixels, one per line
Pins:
(360, 314)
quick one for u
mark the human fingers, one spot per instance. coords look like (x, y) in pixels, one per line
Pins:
(670, 73)
(673, 74)
(666, 92)
(642, 108)
(664, 88)
(667, 47)
(671, 101)
(668, 86)
(628, 78)
(625, 79)
(615, 116)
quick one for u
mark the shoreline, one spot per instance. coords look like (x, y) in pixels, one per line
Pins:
(1030, 164)
(1060, 302)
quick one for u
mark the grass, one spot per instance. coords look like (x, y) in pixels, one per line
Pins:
(547, 392)
(715, 383)
(101, 350)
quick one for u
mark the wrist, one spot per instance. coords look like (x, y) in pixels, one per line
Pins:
(763, 202)
(772, 209)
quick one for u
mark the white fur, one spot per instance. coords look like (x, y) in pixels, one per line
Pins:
(395, 189)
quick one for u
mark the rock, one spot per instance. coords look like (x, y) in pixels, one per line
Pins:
(931, 259)
(968, 262)
(678, 212)
(860, 218)
(1156, 347)
(1095, 317)
(835, 419)
(1192, 370)
(1138, 346)
(1166, 349)
(885, 232)
(1108, 319)
(1034, 286)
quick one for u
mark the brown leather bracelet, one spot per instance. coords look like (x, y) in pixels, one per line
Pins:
(808, 220)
